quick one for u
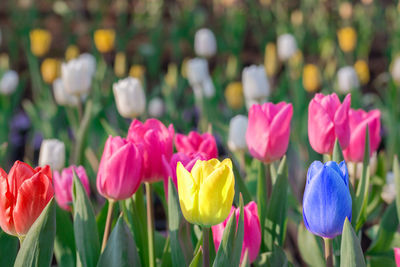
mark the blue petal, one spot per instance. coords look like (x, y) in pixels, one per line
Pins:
(314, 169)
(345, 173)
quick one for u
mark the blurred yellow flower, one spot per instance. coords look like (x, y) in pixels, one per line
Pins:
(50, 69)
(184, 67)
(104, 40)
(231, 67)
(362, 70)
(171, 78)
(295, 64)
(347, 39)
(71, 52)
(206, 193)
(297, 17)
(137, 71)
(330, 69)
(40, 41)
(120, 64)
(270, 59)
(4, 61)
(234, 95)
(311, 78)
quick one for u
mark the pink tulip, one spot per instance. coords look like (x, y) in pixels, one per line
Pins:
(195, 142)
(63, 185)
(328, 119)
(359, 119)
(156, 141)
(120, 169)
(252, 231)
(268, 131)
(397, 256)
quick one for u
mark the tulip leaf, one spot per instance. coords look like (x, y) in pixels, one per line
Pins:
(337, 154)
(261, 196)
(240, 186)
(245, 261)
(276, 257)
(37, 248)
(396, 173)
(64, 246)
(310, 249)
(8, 249)
(85, 227)
(198, 259)
(120, 249)
(350, 250)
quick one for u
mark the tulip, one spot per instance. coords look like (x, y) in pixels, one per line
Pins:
(9, 82)
(71, 52)
(362, 70)
(120, 169)
(347, 37)
(347, 79)
(271, 59)
(4, 61)
(397, 256)
(389, 189)
(171, 78)
(296, 65)
(395, 70)
(156, 141)
(252, 231)
(311, 78)
(199, 77)
(205, 44)
(268, 131)
(156, 107)
(52, 153)
(90, 63)
(25, 192)
(287, 46)
(120, 64)
(256, 87)
(50, 69)
(184, 67)
(327, 199)
(61, 95)
(76, 76)
(206, 193)
(357, 172)
(296, 17)
(234, 95)
(129, 97)
(40, 41)
(63, 185)
(358, 121)
(104, 40)
(346, 10)
(195, 142)
(138, 72)
(328, 120)
(237, 133)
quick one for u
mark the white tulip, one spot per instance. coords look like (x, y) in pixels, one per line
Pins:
(208, 88)
(62, 97)
(9, 82)
(90, 61)
(156, 107)
(256, 87)
(287, 46)
(129, 97)
(396, 69)
(197, 71)
(76, 76)
(52, 153)
(205, 44)
(237, 133)
(347, 79)
(389, 189)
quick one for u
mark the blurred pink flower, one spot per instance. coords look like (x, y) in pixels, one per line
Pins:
(195, 142)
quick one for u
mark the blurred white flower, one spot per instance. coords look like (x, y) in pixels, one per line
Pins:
(208, 88)
(237, 133)
(156, 107)
(90, 61)
(205, 44)
(129, 97)
(62, 97)
(199, 78)
(9, 82)
(76, 76)
(52, 153)
(396, 69)
(287, 46)
(389, 189)
(256, 87)
(373, 165)
(347, 79)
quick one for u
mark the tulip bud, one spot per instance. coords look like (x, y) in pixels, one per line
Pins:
(120, 64)
(52, 153)
(71, 52)
(199, 78)
(205, 44)
(270, 60)
(346, 10)
(62, 97)
(396, 250)
(251, 231)
(296, 17)
(311, 78)
(234, 95)
(256, 88)
(4, 61)
(287, 46)
(63, 185)
(347, 37)
(129, 97)
(195, 142)
(76, 76)
(395, 70)
(89, 61)
(156, 107)
(9, 82)
(40, 41)
(104, 40)
(237, 133)
(138, 72)
(389, 189)
(362, 70)
(25, 193)
(206, 193)
(50, 69)
(327, 199)
(120, 169)
(171, 78)
(347, 79)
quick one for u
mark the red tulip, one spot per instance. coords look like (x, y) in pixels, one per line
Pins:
(195, 142)
(24, 193)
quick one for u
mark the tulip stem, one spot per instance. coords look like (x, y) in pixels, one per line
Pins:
(328, 252)
(108, 224)
(21, 239)
(206, 247)
(354, 176)
(150, 224)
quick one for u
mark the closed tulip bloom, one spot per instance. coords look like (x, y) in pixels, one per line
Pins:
(52, 153)
(397, 256)
(195, 142)
(311, 78)
(326, 199)
(156, 107)
(156, 142)
(256, 87)
(252, 231)
(271, 59)
(358, 120)
(328, 119)
(24, 192)
(362, 70)
(76, 76)
(268, 131)
(205, 44)
(104, 40)
(120, 169)
(206, 193)
(120, 64)
(347, 79)
(171, 78)
(50, 69)
(395, 70)
(389, 189)
(237, 133)
(71, 52)
(40, 41)
(129, 97)
(138, 72)
(347, 37)
(61, 95)
(287, 46)
(63, 185)
(234, 95)
(89, 61)
(9, 82)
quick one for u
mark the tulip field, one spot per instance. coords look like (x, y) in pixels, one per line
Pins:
(199, 133)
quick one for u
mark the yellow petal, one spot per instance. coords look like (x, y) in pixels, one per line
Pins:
(188, 194)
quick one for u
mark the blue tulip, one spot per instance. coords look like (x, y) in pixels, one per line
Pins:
(327, 199)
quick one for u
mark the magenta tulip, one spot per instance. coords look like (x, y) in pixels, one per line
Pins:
(120, 169)
(156, 141)
(359, 119)
(252, 231)
(268, 131)
(328, 119)
(63, 185)
(397, 256)
(195, 142)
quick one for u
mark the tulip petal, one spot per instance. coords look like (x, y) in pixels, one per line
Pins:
(19, 172)
(6, 205)
(257, 132)
(345, 172)
(188, 194)
(314, 169)
(342, 127)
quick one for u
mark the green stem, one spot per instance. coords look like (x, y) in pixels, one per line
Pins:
(108, 224)
(206, 247)
(328, 252)
(262, 197)
(150, 224)
(21, 240)
(353, 178)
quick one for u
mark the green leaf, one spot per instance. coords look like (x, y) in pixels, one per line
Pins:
(261, 197)
(240, 186)
(37, 248)
(277, 257)
(198, 259)
(238, 244)
(337, 154)
(64, 246)
(396, 173)
(245, 262)
(8, 249)
(120, 249)
(350, 252)
(310, 249)
(85, 227)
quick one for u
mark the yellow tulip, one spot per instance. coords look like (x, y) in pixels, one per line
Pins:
(137, 71)
(120, 64)
(4, 61)
(295, 64)
(347, 37)
(50, 69)
(311, 78)
(362, 70)
(270, 59)
(206, 193)
(171, 78)
(234, 95)
(297, 17)
(104, 40)
(184, 67)
(40, 41)
(71, 52)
